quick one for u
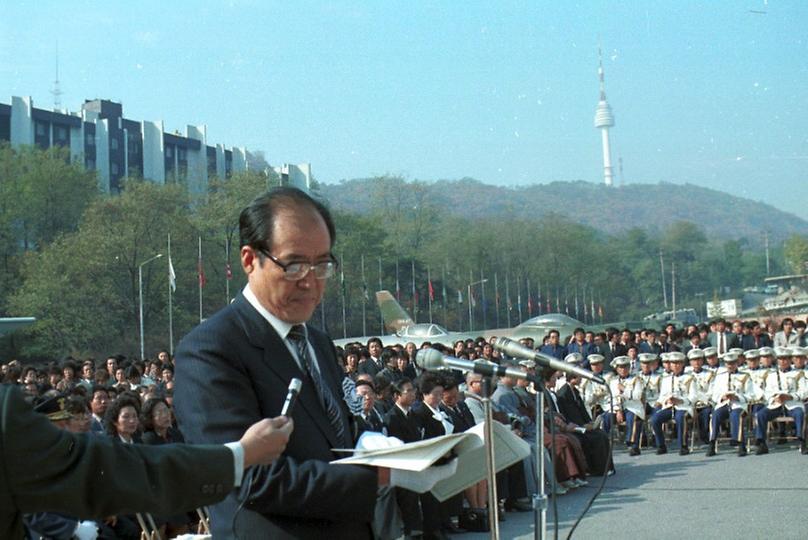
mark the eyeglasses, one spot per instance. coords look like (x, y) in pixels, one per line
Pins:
(295, 271)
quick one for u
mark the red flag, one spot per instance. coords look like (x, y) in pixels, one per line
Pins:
(228, 271)
(431, 292)
(529, 304)
(201, 273)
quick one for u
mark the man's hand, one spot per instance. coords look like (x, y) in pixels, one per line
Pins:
(264, 441)
(620, 418)
(383, 476)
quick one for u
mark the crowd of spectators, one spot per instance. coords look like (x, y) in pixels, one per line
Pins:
(131, 402)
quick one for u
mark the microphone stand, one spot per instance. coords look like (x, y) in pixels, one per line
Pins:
(488, 439)
(540, 498)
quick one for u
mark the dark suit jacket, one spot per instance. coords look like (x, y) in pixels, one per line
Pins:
(460, 416)
(574, 410)
(49, 469)
(403, 427)
(729, 338)
(748, 342)
(369, 366)
(426, 421)
(233, 370)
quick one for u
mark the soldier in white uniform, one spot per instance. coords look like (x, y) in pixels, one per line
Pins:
(758, 376)
(629, 406)
(595, 396)
(785, 392)
(799, 355)
(650, 381)
(703, 381)
(767, 358)
(711, 358)
(731, 393)
(677, 396)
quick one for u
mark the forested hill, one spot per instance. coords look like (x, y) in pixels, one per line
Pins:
(611, 210)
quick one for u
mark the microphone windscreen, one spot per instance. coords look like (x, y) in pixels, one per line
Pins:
(429, 359)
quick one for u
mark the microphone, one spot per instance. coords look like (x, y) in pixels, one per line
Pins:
(516, 350)
(291, 397)
(434, 360)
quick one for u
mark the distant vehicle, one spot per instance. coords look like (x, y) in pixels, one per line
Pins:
(771, 289)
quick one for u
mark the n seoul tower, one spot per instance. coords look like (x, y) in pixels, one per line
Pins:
(603, 121)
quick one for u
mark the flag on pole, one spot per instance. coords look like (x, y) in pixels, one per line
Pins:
(459, 296)
(398, 285)
(228, 271)
(431, 291)
(199, 268)
(172, 277)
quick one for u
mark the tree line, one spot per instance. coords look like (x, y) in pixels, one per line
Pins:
(70, 254)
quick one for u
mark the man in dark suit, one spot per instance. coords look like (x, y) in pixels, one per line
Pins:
(235, 368)
(756, 338)
(49, 469)
(595, 442)
(401, 423)
(374, 364)
(722, 339)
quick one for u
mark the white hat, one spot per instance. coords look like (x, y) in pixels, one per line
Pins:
(696, 353)
(676, 356)
(574, 358)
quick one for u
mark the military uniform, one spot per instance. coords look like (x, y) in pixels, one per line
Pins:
(782, 382)
(731, 393)
(703, 379)
(682, 388)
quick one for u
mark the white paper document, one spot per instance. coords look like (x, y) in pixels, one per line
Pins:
(465, 469)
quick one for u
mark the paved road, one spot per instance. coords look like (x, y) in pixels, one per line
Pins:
(684, 497)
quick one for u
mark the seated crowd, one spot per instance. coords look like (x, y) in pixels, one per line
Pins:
(738, 379)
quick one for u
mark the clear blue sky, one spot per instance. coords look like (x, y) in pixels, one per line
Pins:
(505, 92)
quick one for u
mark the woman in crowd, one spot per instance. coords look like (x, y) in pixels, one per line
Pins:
(121, 419)
(157, 423)
(156, 420)
(351, 363)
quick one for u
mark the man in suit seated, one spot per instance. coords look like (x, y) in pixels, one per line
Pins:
(235, 368)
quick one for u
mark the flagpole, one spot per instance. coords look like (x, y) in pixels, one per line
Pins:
(414, 295)
(199, 280)
(227, 273)
(445, 299)
(398, 284)
(482, 298)
(429, 292)
(519, 296)
(171, 285)
(496, 298)
(342, 291)
(538, 294)
(508, 298)
(381, 287)
(529, 300)
(364, 297)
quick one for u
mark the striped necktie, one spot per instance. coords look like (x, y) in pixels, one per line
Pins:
(297, 335)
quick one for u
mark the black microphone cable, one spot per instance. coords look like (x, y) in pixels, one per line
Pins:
(605, 473)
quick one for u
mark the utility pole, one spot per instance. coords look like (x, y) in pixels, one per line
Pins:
(766, 244)
(664, 290)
